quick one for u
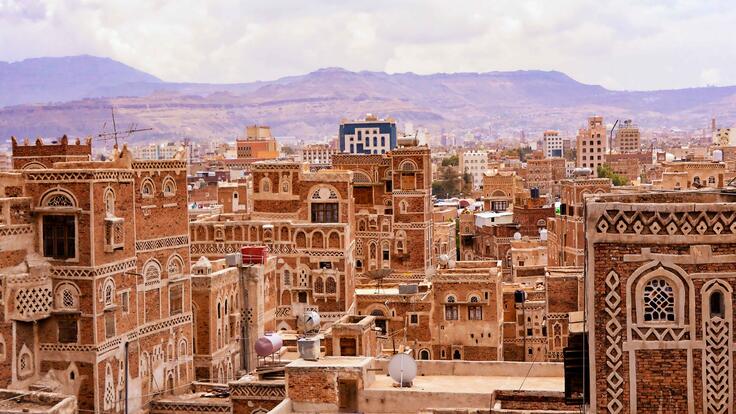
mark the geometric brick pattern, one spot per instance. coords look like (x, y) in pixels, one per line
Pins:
(614, 380)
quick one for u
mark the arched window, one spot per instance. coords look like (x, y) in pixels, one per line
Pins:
(403, 207)
(175, 266)
(474, 299)
(659, 301)
(67, 296)
(408, 166)
(361, 225)
(108, 292)
(324, 206)
(109, 203)
(319, 286)
(717, 305)
(147, 188)
(330, 286)
(424, 354)
(152, 272)
(265, 185)
(450, 299)
(285, 186)
(25, 361)
(400, 241)
(58, 199)
(183, 348)
(169, 186)
(696, 180)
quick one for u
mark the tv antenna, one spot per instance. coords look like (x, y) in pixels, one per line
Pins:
(115, 134)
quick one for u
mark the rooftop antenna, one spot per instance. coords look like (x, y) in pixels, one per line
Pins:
(115, 134)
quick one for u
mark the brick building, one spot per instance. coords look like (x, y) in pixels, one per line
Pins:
(456, 315)
(501, 189)
(304, 218)
(96, 288)
(660, 287)
(393, 210)
(592, 144)
(628, 137)
(565, 232)
(542, 173)
(39, 155)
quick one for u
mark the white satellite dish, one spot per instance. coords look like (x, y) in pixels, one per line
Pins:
(517, 236)
(443, 259)
(403, 369)
(308, 322)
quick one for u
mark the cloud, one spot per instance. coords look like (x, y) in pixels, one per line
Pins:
(624, 44)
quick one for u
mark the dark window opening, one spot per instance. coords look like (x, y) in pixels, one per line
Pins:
(414, 318)
(302, 297)
(109, 325)
(475, 313)
(451, 313)
(59, 237)
(325, 265)
(325, 213)
(176, 299)
(717, 305)
(67, 330)
(389, 186)
(456, 354)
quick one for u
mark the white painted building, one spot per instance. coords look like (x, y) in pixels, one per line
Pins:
(318, 154)
(552, 144)
(474, 163)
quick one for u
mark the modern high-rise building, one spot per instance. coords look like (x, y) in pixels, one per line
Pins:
(368, 136)
(628, 137)
(592, 145)
(552, 144)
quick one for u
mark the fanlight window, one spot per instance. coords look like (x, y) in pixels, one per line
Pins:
(659, 301)
(147, 188)
(59, 200)
(67, 297)
(169, 186)
(175, 266)
(152, 273)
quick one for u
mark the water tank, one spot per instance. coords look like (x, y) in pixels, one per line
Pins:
(308, 348)
(717, 155)
(543, 235)
(268, 344)
(582, 172)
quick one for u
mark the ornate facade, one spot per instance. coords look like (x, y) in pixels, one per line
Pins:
(96, 292)
(660, 287)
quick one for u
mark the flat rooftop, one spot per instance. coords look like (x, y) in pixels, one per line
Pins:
(467, 384)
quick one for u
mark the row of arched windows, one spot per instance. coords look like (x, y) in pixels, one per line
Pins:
(148, 187)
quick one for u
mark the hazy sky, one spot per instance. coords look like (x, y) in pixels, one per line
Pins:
(637, 44)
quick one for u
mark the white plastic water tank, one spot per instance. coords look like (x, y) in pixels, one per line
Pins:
(717, 155)
(543, 235)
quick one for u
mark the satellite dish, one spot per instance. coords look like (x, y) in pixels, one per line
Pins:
(517, 236)
(403, 369)
(308, 322)
(444, 259)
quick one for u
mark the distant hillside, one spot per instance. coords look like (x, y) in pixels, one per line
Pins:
(64, 79)
(311, 105)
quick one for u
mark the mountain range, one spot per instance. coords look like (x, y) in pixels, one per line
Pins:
(73, 96)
